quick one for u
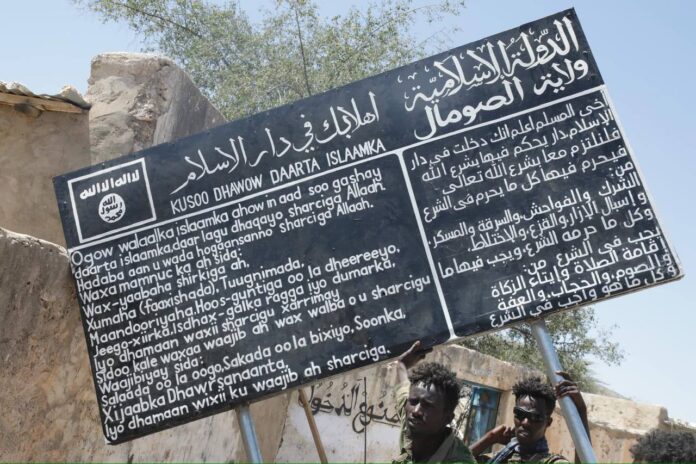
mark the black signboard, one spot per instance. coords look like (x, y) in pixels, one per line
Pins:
(456, 195)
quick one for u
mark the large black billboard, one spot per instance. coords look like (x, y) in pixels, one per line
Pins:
(456, 195)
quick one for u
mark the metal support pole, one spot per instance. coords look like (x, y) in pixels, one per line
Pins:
(570, 412)
(246, 426)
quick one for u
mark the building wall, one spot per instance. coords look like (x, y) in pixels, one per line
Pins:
(355, 413)
(48, 401)
(615, 425)
(36, 146)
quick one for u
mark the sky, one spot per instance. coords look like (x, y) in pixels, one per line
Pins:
(644, 50)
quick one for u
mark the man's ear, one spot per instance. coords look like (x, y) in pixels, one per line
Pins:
(548, 423)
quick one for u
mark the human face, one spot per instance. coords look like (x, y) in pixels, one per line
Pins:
(529, 430)
(425, 410)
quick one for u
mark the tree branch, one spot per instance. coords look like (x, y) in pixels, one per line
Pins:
(157, 17)
(198, 35)
(304, 61)
(522, 331)
(379, 26)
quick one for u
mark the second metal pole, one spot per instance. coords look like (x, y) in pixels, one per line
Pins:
(570, 412)
(312, 426)
(246, 426)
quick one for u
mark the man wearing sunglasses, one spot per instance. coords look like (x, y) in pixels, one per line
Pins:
(535, 401)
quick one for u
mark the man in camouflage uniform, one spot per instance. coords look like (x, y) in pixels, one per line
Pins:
(425, 402)
(535, 401)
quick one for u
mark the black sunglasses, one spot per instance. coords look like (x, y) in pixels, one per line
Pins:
(522, 414)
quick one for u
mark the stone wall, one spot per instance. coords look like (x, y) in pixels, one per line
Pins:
(615, 425)
(36, 146)
(139, 100)
(48, 402)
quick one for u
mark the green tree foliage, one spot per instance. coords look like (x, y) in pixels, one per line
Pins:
(292, 52)
(245, 67)
(576, 336)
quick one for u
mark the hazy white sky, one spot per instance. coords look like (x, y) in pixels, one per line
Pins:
(644, 50)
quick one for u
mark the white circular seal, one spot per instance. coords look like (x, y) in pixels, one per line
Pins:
(112, 208)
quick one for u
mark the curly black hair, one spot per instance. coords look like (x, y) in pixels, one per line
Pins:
(436, 374)
(536, 388)
(665, 446)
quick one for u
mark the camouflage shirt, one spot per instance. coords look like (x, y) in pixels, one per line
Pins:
(511, 453)
(451, 450)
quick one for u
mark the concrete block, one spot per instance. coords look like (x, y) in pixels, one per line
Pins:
(139, 100)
